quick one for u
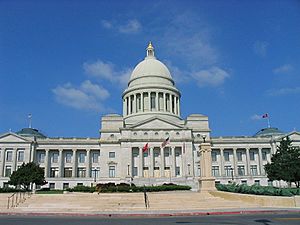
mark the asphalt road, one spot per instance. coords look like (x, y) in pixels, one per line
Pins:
(263, 219)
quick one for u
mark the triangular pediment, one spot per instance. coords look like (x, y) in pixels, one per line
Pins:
(156, 123)
(294, 136)
(13, 138)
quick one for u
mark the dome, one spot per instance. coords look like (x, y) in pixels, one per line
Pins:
(150, 71)
(30, 132)
(268, 132)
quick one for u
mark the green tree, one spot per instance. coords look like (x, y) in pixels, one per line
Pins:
(285, 163)
(27, 174)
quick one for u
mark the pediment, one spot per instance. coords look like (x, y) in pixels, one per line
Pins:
(156, 123)
(13, 138)
(294, 136)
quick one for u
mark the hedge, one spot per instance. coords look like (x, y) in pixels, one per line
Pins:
(258, 190)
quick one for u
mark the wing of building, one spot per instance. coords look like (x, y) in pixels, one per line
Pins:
(149, 144)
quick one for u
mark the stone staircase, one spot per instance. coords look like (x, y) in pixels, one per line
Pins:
(121, 202)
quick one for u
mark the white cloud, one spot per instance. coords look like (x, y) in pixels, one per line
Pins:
(108, 71)
(283, 69)
(88, 96)
(132, 26)
(283, 91)
(213, 76)
(260, 48)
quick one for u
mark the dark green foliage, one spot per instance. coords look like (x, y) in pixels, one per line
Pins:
(9, 190)
(258, 190)
(285, 163)
(27, 174)
(123, 187)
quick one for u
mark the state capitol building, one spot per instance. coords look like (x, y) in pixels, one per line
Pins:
(149, 144)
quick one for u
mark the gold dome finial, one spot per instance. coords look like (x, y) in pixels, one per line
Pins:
(150, 50)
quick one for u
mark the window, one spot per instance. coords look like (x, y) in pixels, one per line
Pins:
(65, 186)
(79, 184)
(95, 172)
(68, 157)
(152, 100)
(270, 183)
(135, 171)
(68, 172)
(52, 186)
(252, 155)
(112, 171)
(253, 170)
(9, 156)
(244, 181)
(214, 156)
(53, 172)
(257, 182)
(264, 155)
(156, 154)
(138, 102)
(7, 171)
(239, 155)
(226, 156)
(241, 170)
(55, 157)
(215, 171)
(81, 157)
(112, 155)
(227, 171)
(177, 153)
(81, 172)
(177, 171)
(41, 157)
(95, 157)
(21, 156)
(145, 154)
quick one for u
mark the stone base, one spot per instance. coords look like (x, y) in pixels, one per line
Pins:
(207, 184)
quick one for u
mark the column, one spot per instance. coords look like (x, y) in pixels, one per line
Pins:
(60, 163)
(157, 101)
(162, 162)
(47, 162)
(134, 104)
(248, 161)
(171, 103)
(14, 159)
(222, 161)
(2, 162)
(173, 161)
(129, 105)
(234, 161)
(151, 165)
(164, 102)
(88, 164)
(32, 153)
(260, 162)
(178, 106)
(124, 106)
(149, 100)
(175, 105)
(141, 164)
(142, 102)
(74, 163)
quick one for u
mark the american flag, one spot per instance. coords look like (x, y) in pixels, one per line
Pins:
(165, 142)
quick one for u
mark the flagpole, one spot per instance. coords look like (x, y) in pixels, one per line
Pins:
(268, 122)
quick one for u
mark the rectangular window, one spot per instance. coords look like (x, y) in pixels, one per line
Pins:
(177, 171)
(239, 156)
(55, 157)
(65, 186)
(244, 181)
(270, 183)
(20, 156)
(41, 157)
(81, 157)
(227, 171)
(68, 172)
(156, 154)
(53, 172)
(226, 156)
(241, 170)
(81, 172)
(95, 157)
(112, 155)
(68, 157)
(257, 182)
(135, 171)
(264, 155)
(52, 186)
(152, 100)
(214, 156)
(145, 154)
(215, 171)
(9, 156)
(95, 172)
(252, 155)
(253, 170)
(7, 171)
(112, 171)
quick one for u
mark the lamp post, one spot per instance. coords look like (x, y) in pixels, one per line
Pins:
(128, 170)
(95, 174)
(189, 169)
(231, 169)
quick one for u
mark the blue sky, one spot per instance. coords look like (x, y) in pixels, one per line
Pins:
(67, 62)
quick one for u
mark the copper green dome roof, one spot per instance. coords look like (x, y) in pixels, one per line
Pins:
(30, 132)
(268, 132)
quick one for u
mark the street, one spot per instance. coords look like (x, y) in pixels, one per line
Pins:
(263, 219)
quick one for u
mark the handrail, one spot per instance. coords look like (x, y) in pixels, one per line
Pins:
(16, 198)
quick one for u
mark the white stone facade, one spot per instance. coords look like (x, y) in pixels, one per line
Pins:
(151, 114)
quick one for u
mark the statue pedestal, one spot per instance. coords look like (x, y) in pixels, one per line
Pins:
(207, 184)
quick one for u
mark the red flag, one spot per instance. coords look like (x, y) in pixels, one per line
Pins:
(165, 142)
(146, 147)
(266, 115)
